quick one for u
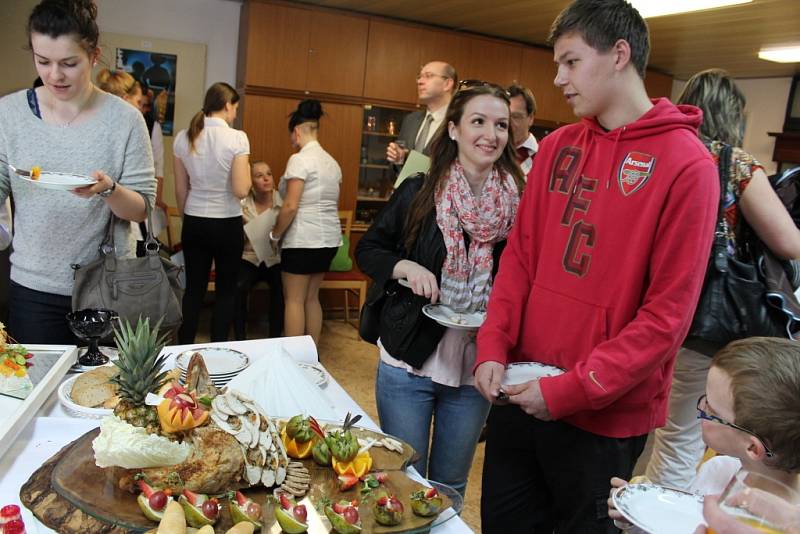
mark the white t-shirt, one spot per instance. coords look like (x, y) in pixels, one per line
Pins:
(316, 224)
(209, 167)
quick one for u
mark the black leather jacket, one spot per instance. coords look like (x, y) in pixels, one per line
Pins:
(405, 332)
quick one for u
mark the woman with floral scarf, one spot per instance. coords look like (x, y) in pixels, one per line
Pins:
(442, 233)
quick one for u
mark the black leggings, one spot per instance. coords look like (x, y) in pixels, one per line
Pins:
(249, 274)
(205, 240)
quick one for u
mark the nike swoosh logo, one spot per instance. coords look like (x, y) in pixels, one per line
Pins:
(593, 378)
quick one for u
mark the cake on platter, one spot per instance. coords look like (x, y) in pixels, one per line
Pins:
(14, 363)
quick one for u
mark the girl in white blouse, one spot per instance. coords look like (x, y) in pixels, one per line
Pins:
(307, 227)
(212, 175)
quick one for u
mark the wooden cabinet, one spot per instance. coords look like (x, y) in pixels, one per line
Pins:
(303, 49)
(537, 74)
(393, 62)
(450, 47)
(265, 121)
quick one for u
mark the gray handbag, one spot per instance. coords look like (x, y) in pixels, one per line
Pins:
(132, 287)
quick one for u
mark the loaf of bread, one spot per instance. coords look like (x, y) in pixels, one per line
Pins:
(93, 388)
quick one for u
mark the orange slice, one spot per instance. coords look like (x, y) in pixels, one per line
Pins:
(358, 466)
(298, 450)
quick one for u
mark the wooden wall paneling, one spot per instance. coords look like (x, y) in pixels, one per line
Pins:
(658, 84)
(340, 135)
(537, 73)
(453, 48)
(393, 61)
(337, 53)
(493, 61)
(277, 46)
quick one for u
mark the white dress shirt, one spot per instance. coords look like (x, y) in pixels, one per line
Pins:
(209, 168)
(316, 224)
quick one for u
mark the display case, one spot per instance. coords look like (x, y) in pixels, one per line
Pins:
(376, 175)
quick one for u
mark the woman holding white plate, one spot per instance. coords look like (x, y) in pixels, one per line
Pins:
(443, 233)
(67, 126)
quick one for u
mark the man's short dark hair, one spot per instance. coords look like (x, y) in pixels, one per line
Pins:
(526, 94)
(602, 23)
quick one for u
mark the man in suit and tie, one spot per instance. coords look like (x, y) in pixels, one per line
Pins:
(436, 83)
(523, 108)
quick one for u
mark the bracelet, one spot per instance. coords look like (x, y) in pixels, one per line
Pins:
(108, 192)
(273, 238)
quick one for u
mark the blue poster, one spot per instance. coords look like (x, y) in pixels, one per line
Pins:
(156, 72)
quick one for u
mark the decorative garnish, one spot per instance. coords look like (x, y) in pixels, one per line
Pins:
(180, 410)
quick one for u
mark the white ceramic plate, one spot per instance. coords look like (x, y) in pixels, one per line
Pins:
(520, 372)
(659, 510)
(219, 361)
(314, 372)
(59, 180)
(75, 409)
(446, 316)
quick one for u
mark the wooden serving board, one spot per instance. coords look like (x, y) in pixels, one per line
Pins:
(70, 494)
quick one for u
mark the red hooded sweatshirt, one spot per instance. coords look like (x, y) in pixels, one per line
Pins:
(604, 266)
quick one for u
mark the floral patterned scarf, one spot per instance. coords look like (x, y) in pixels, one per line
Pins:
(487, 219)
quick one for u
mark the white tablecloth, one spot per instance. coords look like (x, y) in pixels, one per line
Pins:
(53, 428)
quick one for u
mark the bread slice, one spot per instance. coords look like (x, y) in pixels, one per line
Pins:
(93, 389)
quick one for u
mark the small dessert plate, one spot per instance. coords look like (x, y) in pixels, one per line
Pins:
(59, 180)
(521, 372)
(659, 510)
(447, 316)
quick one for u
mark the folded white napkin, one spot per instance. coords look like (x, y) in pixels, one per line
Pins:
(282, 388)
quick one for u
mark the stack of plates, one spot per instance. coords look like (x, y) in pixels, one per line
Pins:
(222, 364)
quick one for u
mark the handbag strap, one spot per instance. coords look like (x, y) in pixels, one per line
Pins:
(151, 246)
(720, 246)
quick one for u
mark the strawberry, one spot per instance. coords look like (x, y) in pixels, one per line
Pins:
(431, 493)
(285, 503)
(195, 499)
(145, 488)
(347, 481)
(383, 500)
(240, 498)
(339, 508)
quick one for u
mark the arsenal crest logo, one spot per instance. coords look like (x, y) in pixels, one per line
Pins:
(636, 169)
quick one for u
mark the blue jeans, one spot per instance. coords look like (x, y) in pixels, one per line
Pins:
(406, 406)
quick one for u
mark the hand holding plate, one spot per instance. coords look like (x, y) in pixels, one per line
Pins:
(529, 397)
(488, 377)
(103, 183)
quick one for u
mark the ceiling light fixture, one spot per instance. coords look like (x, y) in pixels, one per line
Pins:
(781, 54)
(660, 8)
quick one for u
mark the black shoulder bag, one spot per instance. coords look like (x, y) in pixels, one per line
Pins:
(734, 302)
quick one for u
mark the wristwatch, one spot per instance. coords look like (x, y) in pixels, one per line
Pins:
(108, 192)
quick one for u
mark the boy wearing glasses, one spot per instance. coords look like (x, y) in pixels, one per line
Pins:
(436, 83)
(600, 277)
(750, 415)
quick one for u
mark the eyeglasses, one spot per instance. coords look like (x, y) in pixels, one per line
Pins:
(429, 75)
(702, 405)
(465, 85)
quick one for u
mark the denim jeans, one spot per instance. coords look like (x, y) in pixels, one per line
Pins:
(406, 406)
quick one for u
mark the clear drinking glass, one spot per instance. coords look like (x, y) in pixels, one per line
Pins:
(763, 503)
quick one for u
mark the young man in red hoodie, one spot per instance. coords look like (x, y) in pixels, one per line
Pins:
(600, 277)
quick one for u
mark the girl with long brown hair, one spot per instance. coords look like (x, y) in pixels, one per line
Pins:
(212, 175)
(442, 233)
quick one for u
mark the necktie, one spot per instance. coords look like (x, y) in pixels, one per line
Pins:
(422, 138)
(522, 154)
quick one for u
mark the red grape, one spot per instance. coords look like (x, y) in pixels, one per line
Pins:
(253, 510)
(157, 500)
(350, 515)
(210, 509)
(300, 513)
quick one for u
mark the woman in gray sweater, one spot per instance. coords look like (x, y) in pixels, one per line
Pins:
(67, 125)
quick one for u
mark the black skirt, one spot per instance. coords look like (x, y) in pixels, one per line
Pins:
(307, 260)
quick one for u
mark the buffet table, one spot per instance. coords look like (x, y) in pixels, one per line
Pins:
(51, 428)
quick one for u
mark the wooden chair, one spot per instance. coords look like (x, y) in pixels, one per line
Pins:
(352, 281)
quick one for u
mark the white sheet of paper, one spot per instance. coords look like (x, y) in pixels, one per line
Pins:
(257, 231)
(415, 162)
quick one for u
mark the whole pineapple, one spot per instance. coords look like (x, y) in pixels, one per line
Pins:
(140, 372)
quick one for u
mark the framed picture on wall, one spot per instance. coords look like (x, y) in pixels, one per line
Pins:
(157, 72)
(792, 122)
